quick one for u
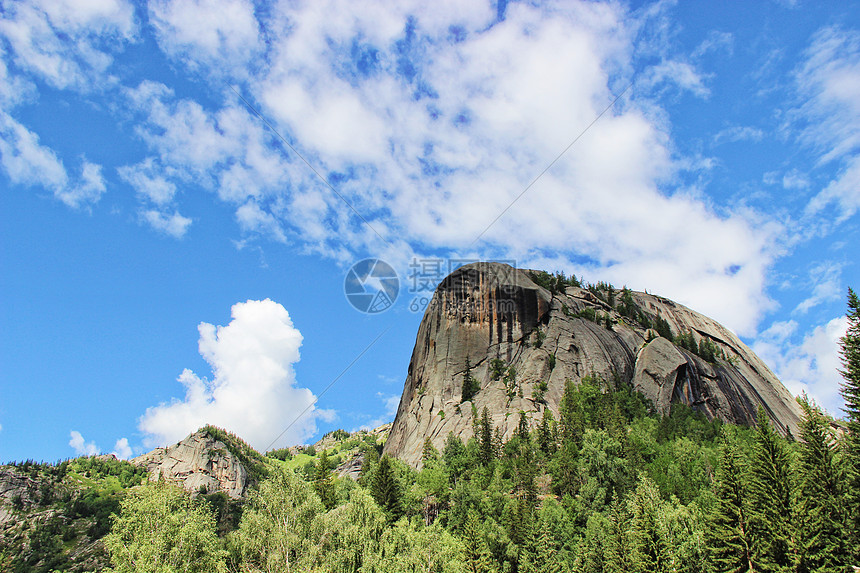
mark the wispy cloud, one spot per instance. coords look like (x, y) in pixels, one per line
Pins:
(810, 365)
(828, 81)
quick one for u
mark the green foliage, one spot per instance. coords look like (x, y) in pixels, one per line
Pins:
(730, 536)
(282, 454)
(254, 461)
(497, 368)
(386, 489)
(850, 390)
(770, 488)
(822, 545)
(471, 385)
(162, 530)
(277, 525)
(324, 482)
(540, 336)
(663, 329)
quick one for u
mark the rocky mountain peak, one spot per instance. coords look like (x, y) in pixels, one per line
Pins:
(198, 463)
(521, 334)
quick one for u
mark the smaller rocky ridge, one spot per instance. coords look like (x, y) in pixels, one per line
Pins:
(208, 461)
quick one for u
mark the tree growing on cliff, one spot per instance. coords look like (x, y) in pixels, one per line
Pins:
(471, 385)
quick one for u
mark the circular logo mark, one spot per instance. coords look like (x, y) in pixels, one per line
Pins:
(371, 286)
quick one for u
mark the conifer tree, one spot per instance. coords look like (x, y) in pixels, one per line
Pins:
(822, 543)
(476, 551)
(324, 482)
(545, 438)
(485, 438)
(729, 536)
(385, 489)
(850, 351)
(429, 454)
(619, 539)
(771, 505)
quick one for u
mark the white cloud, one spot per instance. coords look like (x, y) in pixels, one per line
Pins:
(739, 133)
(829, 117)
(218, 33)
(682, 74)
(810, 366)
(253, 391)
(431, 133)
(825, 279)
(80, 446)
(844, 191)
(1, 427)
(253, 219)
(87, 190)
(25, 160)
(121, 449)
(148, 180)
(172, 224)
(62, 40)
(390, 402)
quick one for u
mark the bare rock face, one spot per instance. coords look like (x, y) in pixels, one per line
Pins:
(516, 335)
(197, 463)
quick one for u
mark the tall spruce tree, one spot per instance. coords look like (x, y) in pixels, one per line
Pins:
(485, 438)
(324, 482)
(476, 552)
(771, 506)
(822, 543)
(385, 489)
(729, 537)
(850, 351)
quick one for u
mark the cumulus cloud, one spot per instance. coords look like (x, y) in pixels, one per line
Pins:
(430, 123)
(253, 391)
(81, 447)
(810, 365)
(121, 449)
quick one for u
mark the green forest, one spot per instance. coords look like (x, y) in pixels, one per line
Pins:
(608, 486)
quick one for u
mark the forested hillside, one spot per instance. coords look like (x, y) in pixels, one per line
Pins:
(608, 486)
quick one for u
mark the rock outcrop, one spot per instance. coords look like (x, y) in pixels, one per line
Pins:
(494, 316)
(199, 463)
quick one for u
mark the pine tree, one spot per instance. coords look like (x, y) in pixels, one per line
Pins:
(822, 543)
(570, 417)
(729, 537)
(485, 438)
(324, 482)
(429, 454)
(470, 383)
(545, 439)
(651, 549)
(850, 351)
(771, 501)
(476, 551)
(619, 539)
(385, 489)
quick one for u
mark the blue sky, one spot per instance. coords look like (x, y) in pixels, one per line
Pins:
(168, 260)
